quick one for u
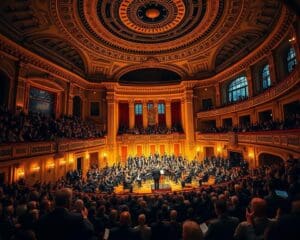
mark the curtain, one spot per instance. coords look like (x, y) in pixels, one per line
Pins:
(176, 114)
(139, 120)
(123, 115)
(161, 119)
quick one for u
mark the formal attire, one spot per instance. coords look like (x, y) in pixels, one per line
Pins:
(222, 228)
(63, 225)
(144, 232)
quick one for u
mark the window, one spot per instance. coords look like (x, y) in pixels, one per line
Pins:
(95, 110)
(150, 106)
(266, 79)
(138, 109)
(291, 59)
(238, 89)
(161, 108)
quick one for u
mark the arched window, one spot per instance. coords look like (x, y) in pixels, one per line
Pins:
(291, 59)
(238, 89)
(266, 79)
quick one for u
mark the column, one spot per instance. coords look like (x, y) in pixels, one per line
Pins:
(183, 114)
(67, 99)
(189, 123)
(155, 105)
(250, 81)
(131, 114)
(296, 39)
(145, 114)
(168, 114)
(272, 68)
(15, 88)
(218, 95)
(111, 127)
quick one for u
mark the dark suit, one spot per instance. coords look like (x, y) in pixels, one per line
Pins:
(124, 233)
(156, 177)
(222, 228)
(63, 225)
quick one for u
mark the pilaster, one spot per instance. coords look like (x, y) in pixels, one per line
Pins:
(168, 113)
(145, 114)
(131, 114)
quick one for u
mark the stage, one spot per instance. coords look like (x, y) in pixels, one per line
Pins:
(165, 186)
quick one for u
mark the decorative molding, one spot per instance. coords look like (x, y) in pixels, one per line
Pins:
(279, 90)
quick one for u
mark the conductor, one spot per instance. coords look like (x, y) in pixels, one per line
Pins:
(156, 177)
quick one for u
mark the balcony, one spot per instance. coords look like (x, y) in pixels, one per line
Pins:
(277, 91)
(24, 150)
(287, 139)
(150, 137)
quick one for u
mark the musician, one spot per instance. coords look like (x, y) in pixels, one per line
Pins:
(156, 177)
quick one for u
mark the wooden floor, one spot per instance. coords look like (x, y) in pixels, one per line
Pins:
(164, 183)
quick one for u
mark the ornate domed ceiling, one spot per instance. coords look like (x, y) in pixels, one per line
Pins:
(103, 40)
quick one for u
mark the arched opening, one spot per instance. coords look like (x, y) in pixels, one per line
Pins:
(267, 159)
(4, 89)
(77, 106)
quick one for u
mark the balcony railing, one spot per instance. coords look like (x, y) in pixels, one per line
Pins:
(23, 150)
(279, 90)
(288, 139)
(150, 137)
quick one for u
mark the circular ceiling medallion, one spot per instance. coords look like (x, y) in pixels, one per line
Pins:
(152, 13)
(151, 17)
(150, 21)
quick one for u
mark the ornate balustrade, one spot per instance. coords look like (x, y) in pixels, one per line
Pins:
(150, 138)
(289, 139)
(23, 150)
(279, 90)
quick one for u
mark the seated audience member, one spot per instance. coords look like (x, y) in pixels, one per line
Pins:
(61, 223)
(224, 226)
(257, 221)
(191, 231)
(175, 226)
(143, 230)
(287, 226)
(124, 231)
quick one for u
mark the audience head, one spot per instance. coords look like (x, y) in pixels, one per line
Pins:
(191, 231)
(258, 207)
(125, 218)
(220, 207)
(63, 198)
(142, 219)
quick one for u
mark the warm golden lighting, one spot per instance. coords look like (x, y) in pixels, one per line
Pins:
(50, 165)
(219, 149)
(251, 154)
(20, 172)
(35, 168)
(62, 162)
(71, 160)
(152, 13)
(104, 155)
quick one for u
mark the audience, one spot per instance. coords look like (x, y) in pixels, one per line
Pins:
(269, 125)
(54, 211)
(156, 129)
(20, 127)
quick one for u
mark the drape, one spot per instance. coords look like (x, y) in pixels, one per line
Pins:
(124, 115)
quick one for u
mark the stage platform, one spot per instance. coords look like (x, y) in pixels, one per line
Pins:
(165, 187)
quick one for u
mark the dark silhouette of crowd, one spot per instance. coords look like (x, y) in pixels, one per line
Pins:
(155, 129)
(262, 205)
(269, 125)
(20, 127)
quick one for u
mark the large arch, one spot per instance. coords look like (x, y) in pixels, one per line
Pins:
(4, 89)
(269, 159)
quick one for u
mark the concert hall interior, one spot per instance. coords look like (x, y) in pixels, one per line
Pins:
(146, 98)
